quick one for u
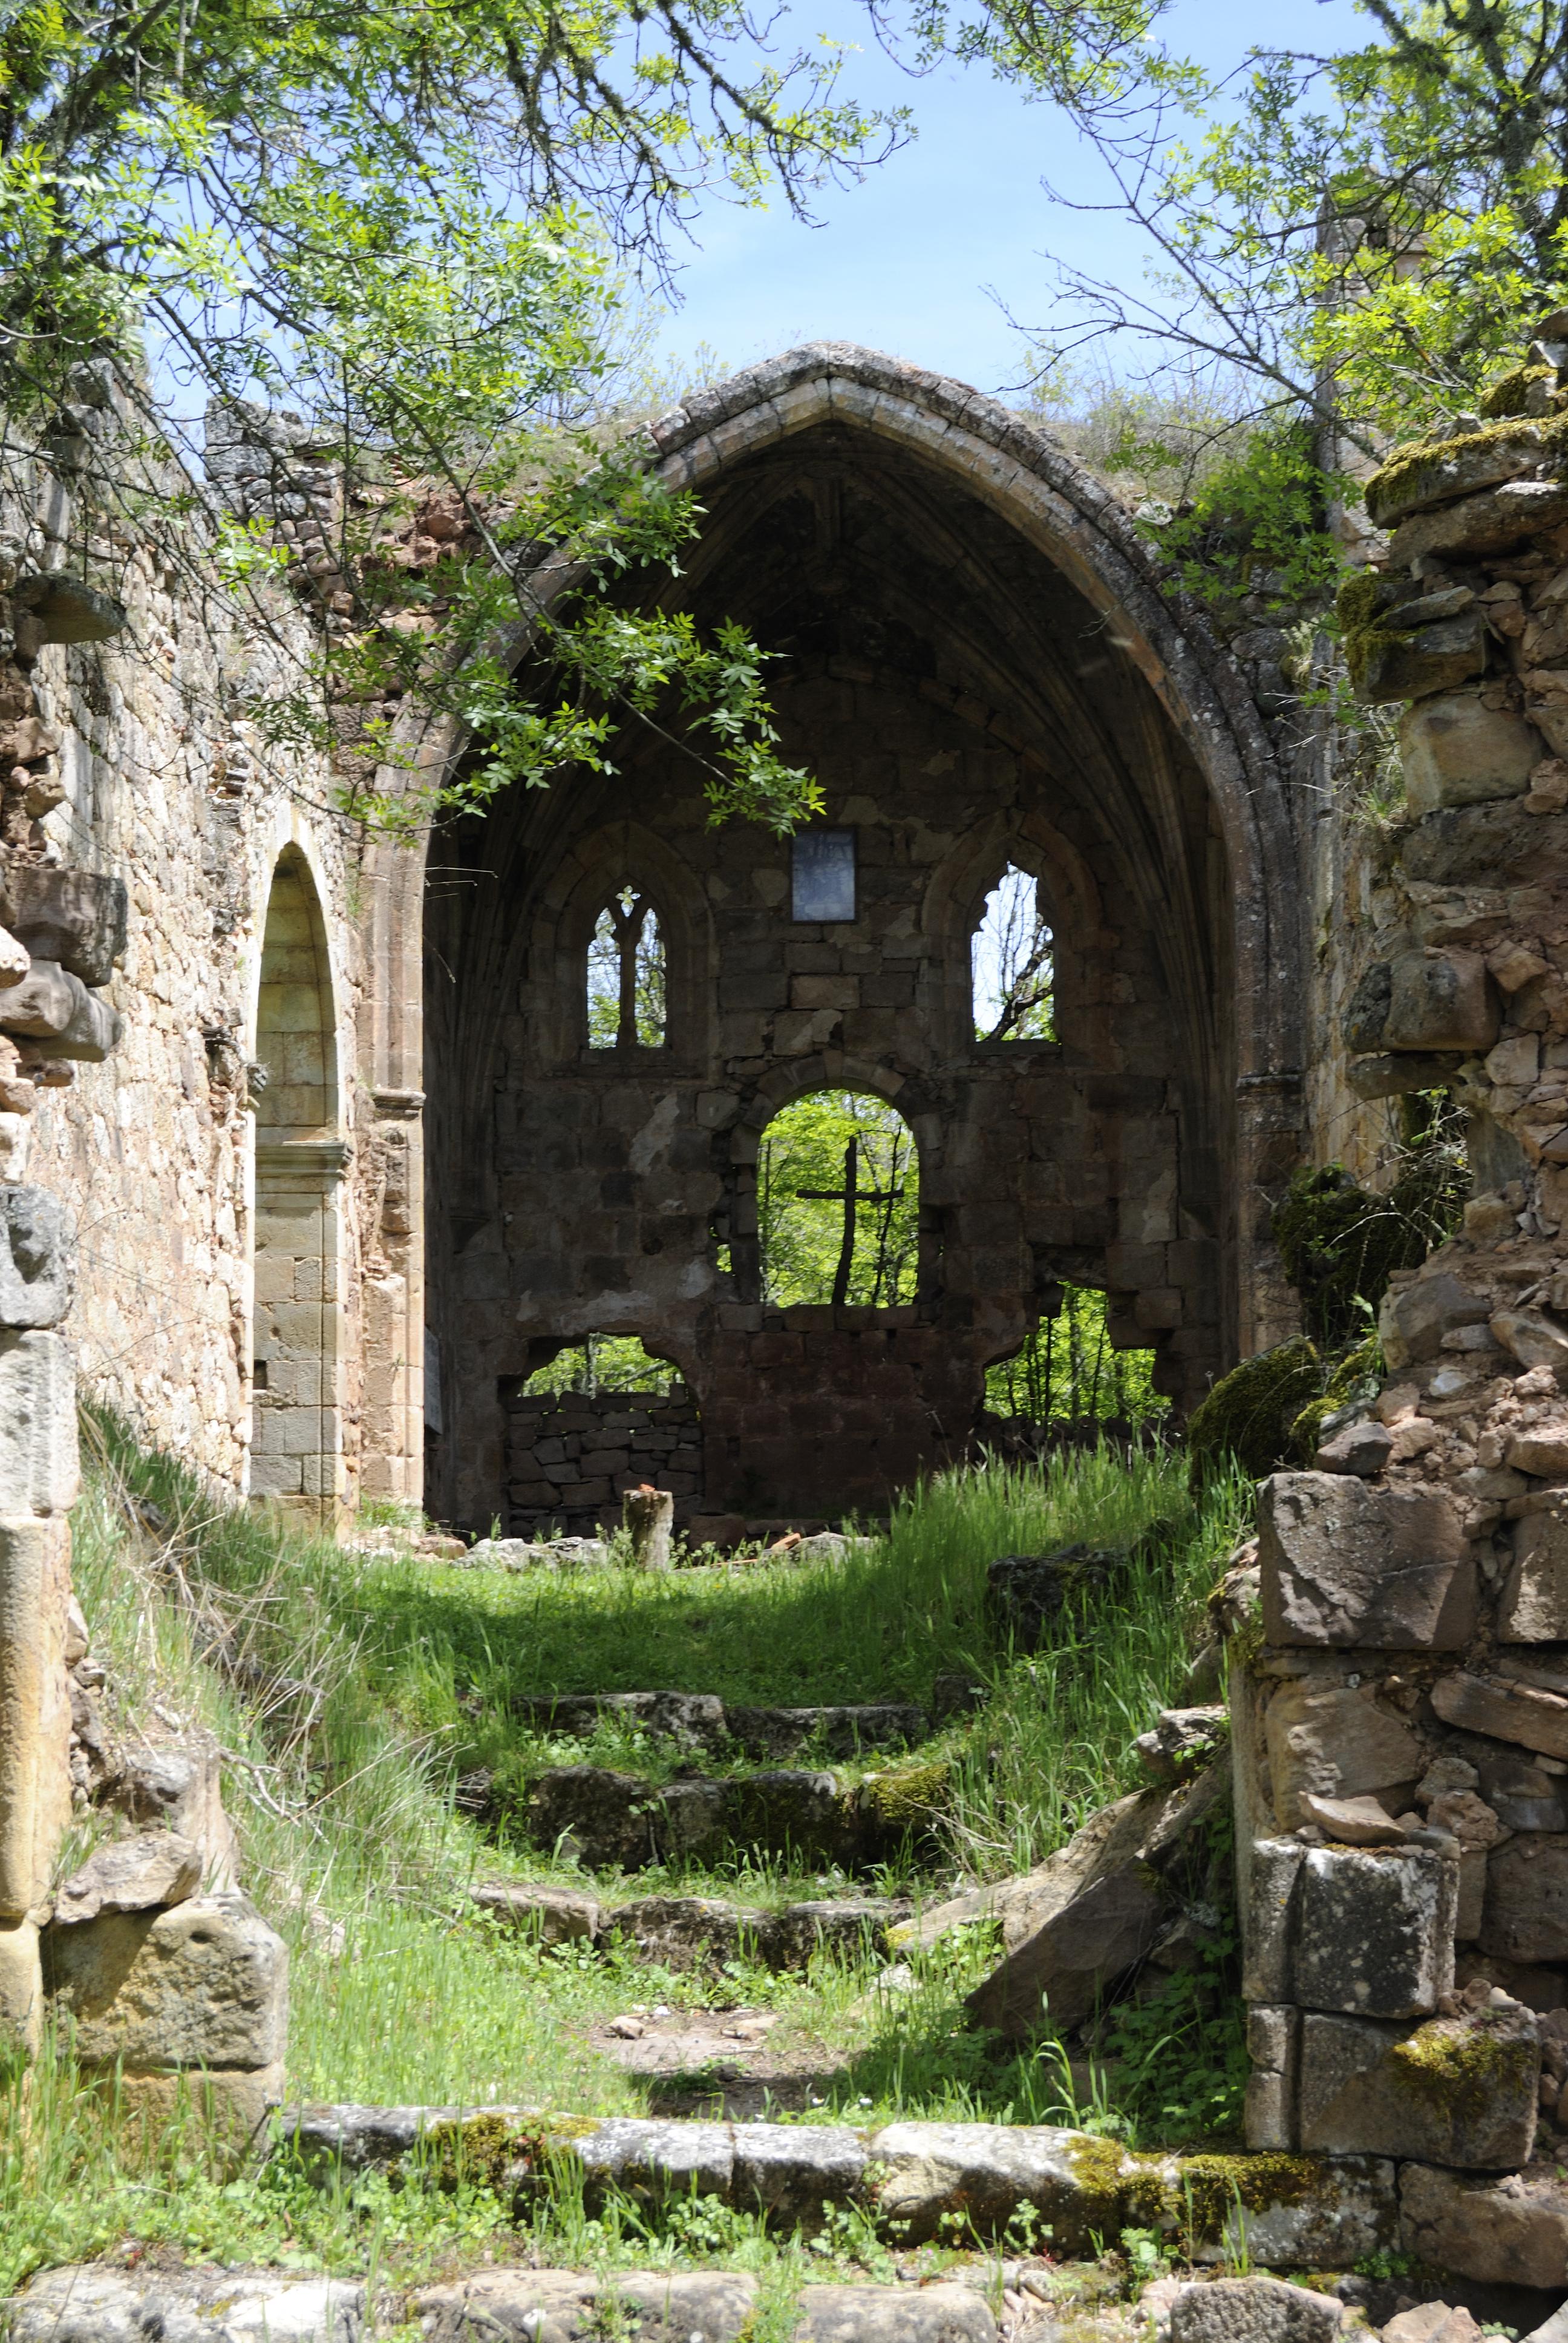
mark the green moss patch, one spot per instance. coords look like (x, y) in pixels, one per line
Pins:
(1247, 1417)
(1508, 396)
(1398, 487)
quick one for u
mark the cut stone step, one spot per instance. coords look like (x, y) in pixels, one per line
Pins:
(684, 1932)
(608, 1820)
(96, 2303)
(674, 2307)
(700, 1720)
(1297, 2212)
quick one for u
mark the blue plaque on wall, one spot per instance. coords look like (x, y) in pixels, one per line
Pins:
(822, 874)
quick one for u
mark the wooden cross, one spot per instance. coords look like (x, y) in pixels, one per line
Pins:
(850, 1196)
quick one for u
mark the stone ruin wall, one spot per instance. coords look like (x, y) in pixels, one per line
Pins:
(1401, 1701)
(569, 1458)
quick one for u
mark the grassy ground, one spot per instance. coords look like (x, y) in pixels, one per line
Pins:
(352, 1693)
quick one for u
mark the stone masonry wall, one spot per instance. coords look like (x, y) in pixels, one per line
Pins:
(1400, 1699)
(568, 1457)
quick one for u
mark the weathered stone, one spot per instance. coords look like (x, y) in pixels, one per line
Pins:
(1457, 2091)
(1254, 2310)
(1375, 1931)
(678, 1932)
(1056, 1977)
(1366, 1011)
(205, 1985)
(1540, 1448)
(985, 2171)
(1533, 1607)
(77, 918)
(1333, 1741)
(1268, 1923)
(1351, 1822)
(1534, 1339)
(647, 2159)
(649, 1517)
(942, 2313)
(1347, 1565)
(1488, 523)
(1182, 1741)
(131, 1875)
(1512, 1712)
(695, 1720)
(1455, 752)
(1361, 1449)
(1418, 480)
(88, 1035)
(228, 2107)
(556, 1915)
(37, 1258)
(1441, 1000)
(1512, 2232)
(1381, 1078)
(1523, 1796)
(35, 1704)
(40, 1462)
(20, 1987)
(1414, 1318)
(1407, 663)
(1314, 2213)
(841, 1733)
(67, 609)
(604, 1818)
(562, 2307)
(97, 2303)
(850, 1926)
(795, 2170)
(1526, 1912)
(178, 1784)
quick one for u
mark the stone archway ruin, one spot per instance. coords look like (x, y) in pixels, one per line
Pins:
(976, 647)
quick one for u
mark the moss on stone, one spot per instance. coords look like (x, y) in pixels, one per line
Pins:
(906, 1796)
(1247, 1416)
(1341, 1242)
(1507, 397)
(1214, 2186)
(1460, 2069)
(1548, 435)
(1356, 1370)
(1361, 601)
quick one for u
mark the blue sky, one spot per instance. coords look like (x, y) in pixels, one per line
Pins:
(902, 262)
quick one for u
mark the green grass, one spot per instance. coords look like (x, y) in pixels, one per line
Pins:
(351, 1692)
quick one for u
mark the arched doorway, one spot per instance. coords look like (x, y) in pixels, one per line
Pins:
(296, 1430)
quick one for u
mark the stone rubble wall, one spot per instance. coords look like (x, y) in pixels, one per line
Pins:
(569, 1456)
(1400, 1696)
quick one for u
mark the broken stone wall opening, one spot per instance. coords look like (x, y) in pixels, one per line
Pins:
(596, 1417)
(837, 1205)
(297, 1431)
(1067, 1373)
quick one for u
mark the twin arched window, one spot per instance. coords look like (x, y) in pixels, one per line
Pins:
(626, 986)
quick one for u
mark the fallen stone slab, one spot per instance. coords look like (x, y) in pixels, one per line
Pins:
(893, 2314)
(648, 2160)
(1182, 1741)
(1254, 2310)
(561, 2307)
(97, 2303)
(203, 1985)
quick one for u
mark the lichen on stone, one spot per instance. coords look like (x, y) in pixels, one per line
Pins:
(907, 1796)
(1362, 599)
(1548, 436)
(1507, 397)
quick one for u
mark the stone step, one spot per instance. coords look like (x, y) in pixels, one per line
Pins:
(700, 1720)
(687, 1932)
(94, 2302)
(907, 2177)
(607, 1820)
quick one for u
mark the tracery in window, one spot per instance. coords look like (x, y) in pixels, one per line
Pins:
(1013, 963)
(625, 976)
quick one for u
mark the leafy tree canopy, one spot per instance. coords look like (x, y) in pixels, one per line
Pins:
(407, 220)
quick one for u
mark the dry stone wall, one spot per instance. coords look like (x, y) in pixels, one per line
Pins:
(569, 1456)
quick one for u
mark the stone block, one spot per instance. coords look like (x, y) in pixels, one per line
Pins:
(1254, 2310)
(985, 2171)
(227, 2107)
(35, 1706)
(74, 918)
(1414, 1318)
(40, 1461)
(793, 2171)
(1375, 1930)
(1318, 2214)
(203, 1985)
(1274, 2047)
(1407, 665)
(97, 2303)
(37, 1258)
(178, 1786)
(942, 2313)
(20, 1987)
(1509, 2232)
(1533, 1607)
(1455, 752)
(1522, 1713)
(1348, 1566)
(1525, 1916)
(1273, 1872)
(1441, 1000)
(555, 1916)
(130, 1874)
(1457, 2091)
(1335, 1741)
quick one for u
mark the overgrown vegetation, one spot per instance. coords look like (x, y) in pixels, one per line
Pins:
(1067, 1372)
(351, 1692)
